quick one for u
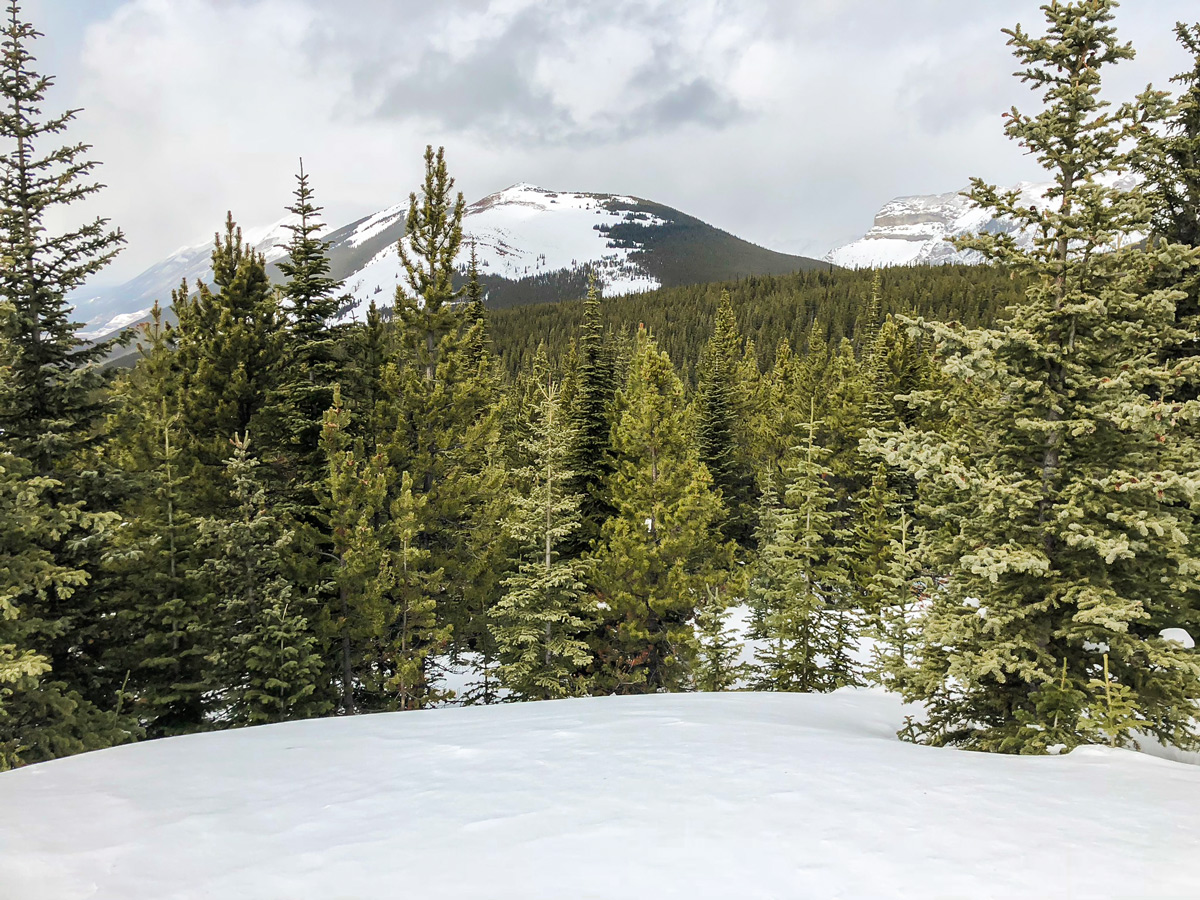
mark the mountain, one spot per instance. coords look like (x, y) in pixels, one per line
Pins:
(702, 795)
(915, 230)
(533, 244)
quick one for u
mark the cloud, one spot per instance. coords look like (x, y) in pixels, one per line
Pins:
(786, 122)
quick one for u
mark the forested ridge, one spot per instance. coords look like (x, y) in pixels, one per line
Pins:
(991, 473)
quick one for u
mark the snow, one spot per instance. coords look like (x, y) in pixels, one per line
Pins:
(915, 230)
(375, 224)
(1178, 636)
(520, 232)
(670, 796)
(116, 323)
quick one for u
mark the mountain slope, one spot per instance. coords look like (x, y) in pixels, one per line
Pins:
(534, 245)
(916, 230)
(735, 795)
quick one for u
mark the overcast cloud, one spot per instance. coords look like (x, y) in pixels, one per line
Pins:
(788, 122)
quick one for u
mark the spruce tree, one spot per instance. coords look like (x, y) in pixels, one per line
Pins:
(309, 357)
(55, 409)
(591, 421)
(887, 576)
(722, 427)
(40, 716)
(718, 667)
(56, 405)
(542, 619)
(269, 658)
(1170, 162)
(229, 340)
(1061, 500)
(801, 584)
(662, 549)
(155, 597)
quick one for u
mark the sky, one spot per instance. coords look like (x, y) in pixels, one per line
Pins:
(786, 122)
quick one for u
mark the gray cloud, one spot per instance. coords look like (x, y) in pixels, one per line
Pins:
(787, 122)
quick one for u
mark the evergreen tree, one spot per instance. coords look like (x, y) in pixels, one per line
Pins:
(1060, 501)
(722, 435)
(355, 496)
(269, 657)
(888, 578)
(433, 235)
(413, 632)
(229, 339)
(1170, 163)
(801, 585)
(718, 667)
(56, 405)
(40, 716)
(541, 621)
(440, 407)
(591, 421)
(662, 550)
(156, 599)
(55, 409)
(310, 355)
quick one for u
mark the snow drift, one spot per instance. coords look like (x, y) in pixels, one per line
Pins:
(697, 795)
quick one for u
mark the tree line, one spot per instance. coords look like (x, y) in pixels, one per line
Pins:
(271, 516)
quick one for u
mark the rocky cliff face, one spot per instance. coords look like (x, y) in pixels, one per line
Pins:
(917, 230)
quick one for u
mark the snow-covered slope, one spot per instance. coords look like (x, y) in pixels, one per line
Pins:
(668, 796)
(109, 311)
(520, 233)
(915, 230)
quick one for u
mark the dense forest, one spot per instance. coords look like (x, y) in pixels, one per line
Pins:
(990, 476)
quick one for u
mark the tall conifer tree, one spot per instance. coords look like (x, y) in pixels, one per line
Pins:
(54, 414)
(1062, 498)
(270, 662)
(723, 420)
(591, 421)
(662, 549)
(541, 621)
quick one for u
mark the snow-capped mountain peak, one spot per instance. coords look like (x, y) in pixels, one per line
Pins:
(916, 230)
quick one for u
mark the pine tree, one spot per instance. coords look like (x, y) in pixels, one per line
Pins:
(40, 716)
(662, 550)
(355, 496)
(413, 634)
(722, 435)
(591, 421)
(440, 409)
(1060, 501)
(541, 621)
(309, 358)
(155, 598)
(229, 339)
(801, 586)
(433, 236)
(55, 410)
(269, 656)
(718, 667)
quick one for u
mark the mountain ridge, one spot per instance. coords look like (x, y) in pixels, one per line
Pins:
(533, 244)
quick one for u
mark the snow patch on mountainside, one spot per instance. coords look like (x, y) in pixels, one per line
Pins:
(188, 264)
(671, 796)
(520, 232)
(917, 230)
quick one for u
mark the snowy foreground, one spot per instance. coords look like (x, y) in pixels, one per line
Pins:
(700, 795)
